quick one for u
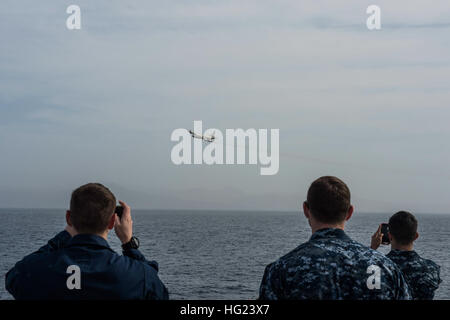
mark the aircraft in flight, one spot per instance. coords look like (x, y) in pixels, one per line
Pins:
(210, 138)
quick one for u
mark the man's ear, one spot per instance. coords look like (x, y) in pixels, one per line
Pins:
(390, 237)
(306, 210)
(416, 236)
(349, 213)
(69, 223)
(111, 222)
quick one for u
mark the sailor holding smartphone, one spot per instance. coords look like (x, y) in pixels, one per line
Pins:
(422, 275)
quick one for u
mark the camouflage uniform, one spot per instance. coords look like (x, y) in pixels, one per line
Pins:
(421, 274)
(331, 266)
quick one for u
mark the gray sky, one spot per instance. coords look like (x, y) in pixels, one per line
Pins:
(100, 104)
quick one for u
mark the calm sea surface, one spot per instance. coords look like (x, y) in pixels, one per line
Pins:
(214, 255)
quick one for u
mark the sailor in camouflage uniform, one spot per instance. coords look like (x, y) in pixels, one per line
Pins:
(331, 265)
(422, 275)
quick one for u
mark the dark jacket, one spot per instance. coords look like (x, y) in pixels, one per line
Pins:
(104, 274)
(422, 275)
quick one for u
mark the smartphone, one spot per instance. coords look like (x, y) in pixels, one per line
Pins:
(384, 231)
(119, 211)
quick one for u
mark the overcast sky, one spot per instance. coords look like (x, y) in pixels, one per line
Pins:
(100, 103)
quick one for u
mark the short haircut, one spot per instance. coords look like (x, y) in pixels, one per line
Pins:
(329, 199)
(91, 207)
(403, 227)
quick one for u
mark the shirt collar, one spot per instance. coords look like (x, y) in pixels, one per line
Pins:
(327, 233)
(88, 239)
(403, 253)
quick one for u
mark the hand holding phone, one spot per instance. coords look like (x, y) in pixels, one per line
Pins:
(376, 239)
(123, 225)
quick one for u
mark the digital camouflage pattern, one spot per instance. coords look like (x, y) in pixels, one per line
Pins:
(331, 266)
(421, 274)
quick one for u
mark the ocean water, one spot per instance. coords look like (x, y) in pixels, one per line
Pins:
(214, 254)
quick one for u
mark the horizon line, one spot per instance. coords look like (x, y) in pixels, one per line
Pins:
(224, 210)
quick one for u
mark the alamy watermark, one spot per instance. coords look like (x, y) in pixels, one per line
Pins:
(374, 280)
(240, 147)
(373, 22)
(73, 22)
(74, 280)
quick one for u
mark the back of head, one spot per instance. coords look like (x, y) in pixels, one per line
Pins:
(329, 200)
(403, 227)
(91, 207)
